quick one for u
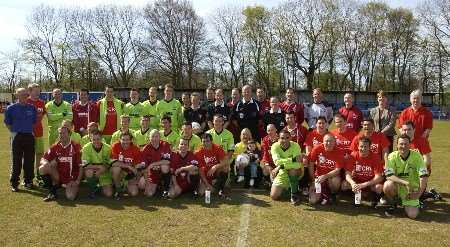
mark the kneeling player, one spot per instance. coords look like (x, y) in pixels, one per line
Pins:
(328, 162)
(213, 166)
(286, 156)
(184, 167)
(60, 165)
(96, 162)
(156, 155)
(126, 160)
(364, 172)
(407, 177)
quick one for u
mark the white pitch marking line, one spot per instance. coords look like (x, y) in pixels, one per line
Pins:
(244, 222)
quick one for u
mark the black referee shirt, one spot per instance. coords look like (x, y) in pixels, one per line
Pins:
(247, 115)
(222, 109)
(198, 115)
(276, 118)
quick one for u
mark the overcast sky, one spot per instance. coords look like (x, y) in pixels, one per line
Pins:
(13, 13)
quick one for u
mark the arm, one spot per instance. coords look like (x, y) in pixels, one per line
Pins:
(375, 180)
(385, 154)
(331, 174)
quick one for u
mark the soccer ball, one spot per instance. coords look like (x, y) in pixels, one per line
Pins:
(242, 160)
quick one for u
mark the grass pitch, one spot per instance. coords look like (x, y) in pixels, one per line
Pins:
(249, 219)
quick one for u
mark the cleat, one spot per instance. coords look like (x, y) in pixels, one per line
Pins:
(165, 194)
(14, 189)
(240, 179)
(295, 199)
(50, 197)
(116, 196)
(28, 186)
(252, 182)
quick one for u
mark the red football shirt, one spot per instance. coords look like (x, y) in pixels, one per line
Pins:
(314, 139)
(363, 169)
(68, 160)
(151, 154)
(266, 144)
(298, 135)
(421, 144)
(422, 119)
(111, 119)
(326, 161)
(209, 157)
(343, 140)
(297, 108)
(38, 130)
(177, 161)
(84, 114)
(353, 116)
(379, 142)
(132, 155)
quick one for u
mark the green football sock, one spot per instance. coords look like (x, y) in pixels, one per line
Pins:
(92, 183)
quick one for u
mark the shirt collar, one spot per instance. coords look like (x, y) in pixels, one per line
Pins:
(243, 100)
(279, 110)
(221, 105)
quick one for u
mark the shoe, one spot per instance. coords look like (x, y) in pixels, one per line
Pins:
(224, 196)
(252, 182)
(383, 201)
(324, 201)
(305, 191)
(165, 194)
(240, 179)
(333, 199)
(50, 197)
(389, 212)
(92, 195)
(195, 194)
(28, 186)
(436, 195)
(295, 199)
(14, 189)
(116, 196)
(421, 205)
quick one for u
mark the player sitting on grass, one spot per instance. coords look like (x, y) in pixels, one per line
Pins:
(213, 166)
(157, 155)
(60, 165)
(364, 172)
(327, 161)
(184, 167)
(96, 163)
(126, 160)
(286, 156)
(267, 164)
(406, 176)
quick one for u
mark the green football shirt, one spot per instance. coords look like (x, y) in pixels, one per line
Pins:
(141, 138)
(410, 169)
(171, 108)
(224, 139)
(135, 111)
(172, 138)
(91, 156)
(116, 136)
(151, 110)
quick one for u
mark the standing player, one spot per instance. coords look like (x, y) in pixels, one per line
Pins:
(186, 133)
(213, 166)
(246, 113)
(298, 132)
(150, 107)
(19, 119)
(142, 136)
(196, 113)
(167, 134)
(315, 136)
(126, 163)
(266, 163)
(184, 167)
(171, 107)
(232, 102)
(364, 172)
(38, 131)
(344, 136)
(157, 155)
(60, 165)
(419, 115)
(351, 113)
(134, 109)
(286, 156)
(264, 104)
(84, 112)
(406, 177)
(318, 109)
(110, 110)
(96, 161)
(221, 136)
(57, 111)
(327, 161)
(380, 144)
(290, 105)
(275, 115)
(219, 107)
(124, 128)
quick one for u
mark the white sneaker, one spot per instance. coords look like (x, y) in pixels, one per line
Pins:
(240, 179)
(305, 191)
(252, 182)
(383, 201)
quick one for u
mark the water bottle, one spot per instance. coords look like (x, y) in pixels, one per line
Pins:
(318, 186)
(358, 197)
(207, 196)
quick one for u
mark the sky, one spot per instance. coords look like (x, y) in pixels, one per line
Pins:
(13, 13)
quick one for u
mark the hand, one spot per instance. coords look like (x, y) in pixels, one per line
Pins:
(133, 169)
(408, 188)
(178, 171)
(304, 159)
(321, 179)
(425, 135)
(77, 182)
(212, 171)
(357, 187)
(274, 172)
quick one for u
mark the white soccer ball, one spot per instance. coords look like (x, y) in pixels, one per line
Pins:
(196, 126)
(242, 160)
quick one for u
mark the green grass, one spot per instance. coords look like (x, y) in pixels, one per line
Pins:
(28, 221)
